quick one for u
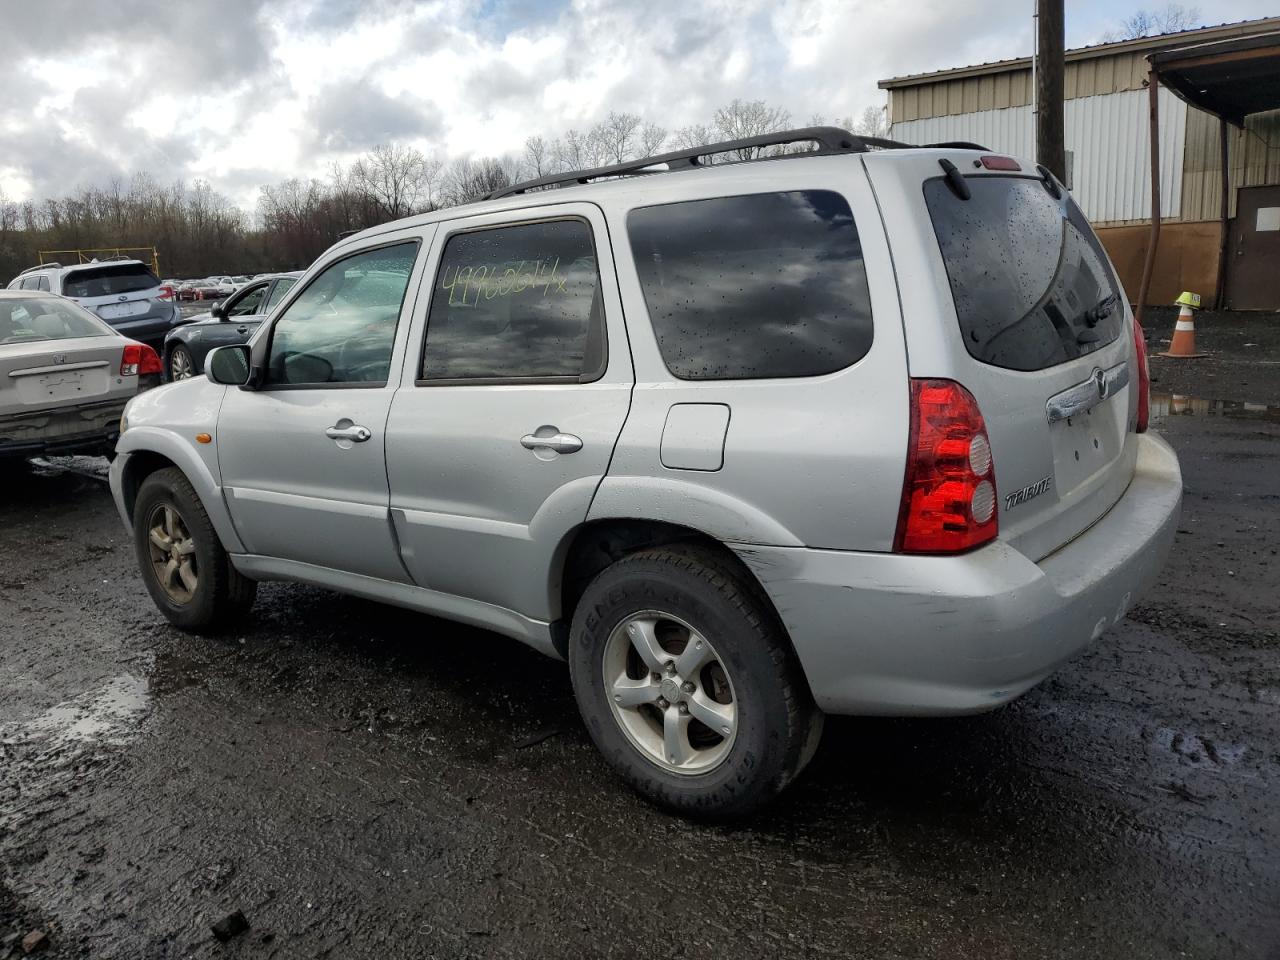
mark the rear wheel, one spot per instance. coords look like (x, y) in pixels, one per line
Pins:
(182, 365)
(687, 683)
(183, 564)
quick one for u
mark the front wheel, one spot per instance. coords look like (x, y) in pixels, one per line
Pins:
(183, 564)
(182, 365)
(687, 683)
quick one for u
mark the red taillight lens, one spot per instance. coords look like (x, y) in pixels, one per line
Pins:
(166, 292)
(1144, 378)
(139, 359)
(949, 495)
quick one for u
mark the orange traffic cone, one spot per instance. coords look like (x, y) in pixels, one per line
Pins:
(1184, 333)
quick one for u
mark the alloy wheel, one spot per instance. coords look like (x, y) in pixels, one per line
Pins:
(173, 553)
(670, 692)
(181, 366)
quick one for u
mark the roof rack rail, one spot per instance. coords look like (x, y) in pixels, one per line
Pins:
(957, 145)
(38, 266)
(829, 140)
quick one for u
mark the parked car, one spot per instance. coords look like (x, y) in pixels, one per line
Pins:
(65, 376)
(124, 293)
(232, 321)
(186, 290)
(726, 438)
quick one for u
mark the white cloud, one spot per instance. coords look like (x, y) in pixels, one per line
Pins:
(241, 92)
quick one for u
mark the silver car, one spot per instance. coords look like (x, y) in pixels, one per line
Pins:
(65, 376)
(125, 293)
(844, 431)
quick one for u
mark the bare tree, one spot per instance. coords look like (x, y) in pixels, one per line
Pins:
(652, 137)
(537, 156)
(1173, 18)
(750, 118)
(617, 135)
(871, 123)
(468, 180)
(693, 136)
(400, 179)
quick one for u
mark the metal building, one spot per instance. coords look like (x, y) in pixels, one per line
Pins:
(1107, 139)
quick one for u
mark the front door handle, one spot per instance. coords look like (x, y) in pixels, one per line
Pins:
(353, 432)
(553, 440)
(242, 329)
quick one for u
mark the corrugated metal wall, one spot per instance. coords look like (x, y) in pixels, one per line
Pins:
(1108, 137)
(1012, 88)
(1255, 161)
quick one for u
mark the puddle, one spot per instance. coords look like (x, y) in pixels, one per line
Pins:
(109, 714)
(1178, 405)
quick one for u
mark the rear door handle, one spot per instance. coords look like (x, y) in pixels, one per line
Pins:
(559, 442)
(242, 329)
(354, 432)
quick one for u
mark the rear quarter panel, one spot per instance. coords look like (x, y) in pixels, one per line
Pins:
(816, 461)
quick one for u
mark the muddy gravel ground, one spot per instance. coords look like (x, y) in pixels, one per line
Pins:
(365, 782)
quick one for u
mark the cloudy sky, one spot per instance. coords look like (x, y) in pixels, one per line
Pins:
(246, 92)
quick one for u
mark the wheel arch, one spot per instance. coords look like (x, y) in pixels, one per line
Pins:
(597, 544)
(144, 450)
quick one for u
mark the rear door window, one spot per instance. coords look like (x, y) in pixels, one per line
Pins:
(108, 280)
(764, 285)
(517, 303)
(1031, 283)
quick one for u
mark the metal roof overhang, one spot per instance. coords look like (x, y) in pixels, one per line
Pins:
(1227, 78)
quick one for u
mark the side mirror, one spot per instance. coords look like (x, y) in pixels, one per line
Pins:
(219, 311)
(228, 365)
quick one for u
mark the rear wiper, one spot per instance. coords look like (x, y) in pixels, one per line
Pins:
(1101, 310)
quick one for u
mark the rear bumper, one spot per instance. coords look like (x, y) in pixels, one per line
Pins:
(146, 329)
(903, 635)
(92, 427)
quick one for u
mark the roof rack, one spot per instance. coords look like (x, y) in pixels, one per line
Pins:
(829, 140)
(38, 266)
(956, 145)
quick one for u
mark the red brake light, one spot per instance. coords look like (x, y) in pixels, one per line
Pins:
(139, 359)
(166, 292)
(1144, 378)
(1000, 163)
(949, 495)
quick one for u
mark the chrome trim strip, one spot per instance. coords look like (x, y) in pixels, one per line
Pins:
(1084, 396)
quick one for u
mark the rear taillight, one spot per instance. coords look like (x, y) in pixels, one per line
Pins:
(166, 292)
(1144, 378)
(949, 495)
(138, 360)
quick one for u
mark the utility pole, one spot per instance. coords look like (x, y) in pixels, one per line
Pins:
(1047, 73)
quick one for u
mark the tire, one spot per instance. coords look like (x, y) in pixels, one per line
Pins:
(219, 597)
(180, 359)
(689, 591)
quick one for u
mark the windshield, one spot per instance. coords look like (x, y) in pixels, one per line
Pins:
(1031, 283)
(44, 318)
(106, 281)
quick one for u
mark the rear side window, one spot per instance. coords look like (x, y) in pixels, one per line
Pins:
(765, 285)
(107, 281)
(519, 302)
(1031, 283)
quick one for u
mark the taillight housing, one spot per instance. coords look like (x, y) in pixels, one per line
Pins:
(1144, 377)
(139, 360)
(166, 292)
(949, 494)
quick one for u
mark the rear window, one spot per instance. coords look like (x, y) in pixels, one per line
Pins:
(44, 318)
(1031, 283)
(765, 285)
(107, 281)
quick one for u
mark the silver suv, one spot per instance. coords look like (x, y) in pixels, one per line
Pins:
(852, 431)
(125, 293)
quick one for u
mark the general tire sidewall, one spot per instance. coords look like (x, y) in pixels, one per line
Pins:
(201, 608)
(758, 756)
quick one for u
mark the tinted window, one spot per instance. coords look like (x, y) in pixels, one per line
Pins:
(108, 280)
(42, 283)
(516, 302)
(341, 328)
(1031, 284)
(46, 318)
(281, 288)
(768, 285)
